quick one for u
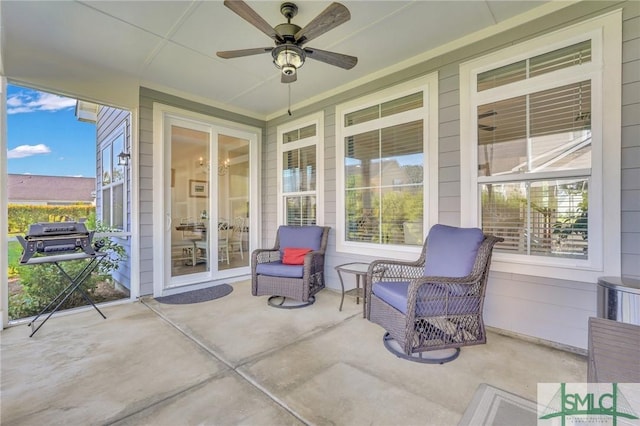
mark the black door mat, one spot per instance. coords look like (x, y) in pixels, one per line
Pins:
(197, 296)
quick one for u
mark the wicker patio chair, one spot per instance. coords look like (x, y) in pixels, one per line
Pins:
(435, 302)
(613, 352)
(293, 268)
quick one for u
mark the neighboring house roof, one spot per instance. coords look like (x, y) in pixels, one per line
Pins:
(51, 189)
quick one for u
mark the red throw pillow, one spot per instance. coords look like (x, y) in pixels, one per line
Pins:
(294, 256)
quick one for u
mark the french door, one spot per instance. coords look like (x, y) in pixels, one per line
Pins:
(207, 188)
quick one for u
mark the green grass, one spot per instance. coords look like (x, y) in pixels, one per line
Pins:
(15, 251)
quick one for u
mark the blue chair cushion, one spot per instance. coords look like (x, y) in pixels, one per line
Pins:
(451, 251)
(278, 269)
(395, 294)
(300, 236)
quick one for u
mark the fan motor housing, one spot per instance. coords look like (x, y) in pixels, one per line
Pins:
(287, 31)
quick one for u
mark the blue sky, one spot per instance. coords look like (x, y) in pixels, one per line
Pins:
(45, 138)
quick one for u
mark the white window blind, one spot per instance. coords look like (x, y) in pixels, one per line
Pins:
(565, 57)
(298, 178)
(541, 163)
(297, 134)
(384, 172)
(541, 132)
(385, 109)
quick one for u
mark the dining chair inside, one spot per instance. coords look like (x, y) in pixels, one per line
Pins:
(237, 236)
(223, 242)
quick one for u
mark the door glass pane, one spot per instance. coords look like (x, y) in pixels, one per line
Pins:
(190, 192)
(233, 202)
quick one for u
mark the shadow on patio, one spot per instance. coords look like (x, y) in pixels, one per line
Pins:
(235, 360)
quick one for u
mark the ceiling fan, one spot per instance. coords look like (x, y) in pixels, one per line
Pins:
(289, 54)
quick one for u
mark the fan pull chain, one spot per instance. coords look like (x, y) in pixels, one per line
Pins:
(289, 109)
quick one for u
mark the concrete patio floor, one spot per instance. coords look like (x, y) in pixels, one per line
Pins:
(236, 360)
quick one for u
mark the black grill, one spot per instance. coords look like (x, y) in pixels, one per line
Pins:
(49, 238)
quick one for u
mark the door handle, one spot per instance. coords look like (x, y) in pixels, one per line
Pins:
(168, 222)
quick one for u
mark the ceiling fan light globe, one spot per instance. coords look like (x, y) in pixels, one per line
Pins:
(288, 56)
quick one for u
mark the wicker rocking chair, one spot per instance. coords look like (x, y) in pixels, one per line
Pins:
(434, 303)
(293, 268)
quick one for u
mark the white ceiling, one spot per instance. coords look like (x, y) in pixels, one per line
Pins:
(172, 45)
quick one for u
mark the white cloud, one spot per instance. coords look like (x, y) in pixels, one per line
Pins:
(31, 101)
(23, 151)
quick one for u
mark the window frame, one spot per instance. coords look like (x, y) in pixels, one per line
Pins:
(429, 116)
(316, 119)
(119, 131)
(604, 72)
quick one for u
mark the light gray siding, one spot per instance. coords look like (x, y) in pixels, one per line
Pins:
(631, 142)
(109, 120)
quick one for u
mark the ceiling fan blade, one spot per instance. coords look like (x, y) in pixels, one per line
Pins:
(338, 59)
(330, 18)
(288, 78)
(229, 54)
(245, 12)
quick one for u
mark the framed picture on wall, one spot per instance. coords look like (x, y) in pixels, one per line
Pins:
(198, 188)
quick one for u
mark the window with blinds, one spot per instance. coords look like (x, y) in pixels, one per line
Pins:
(297, 134)
(300, 210)
(299, 176)
(298, 173)
(534, 158)
(566, 57)
(542, 131)
(112, 183)
(384, 109)
(384, 181)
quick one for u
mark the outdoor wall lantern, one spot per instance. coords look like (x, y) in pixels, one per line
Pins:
(123, 158)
